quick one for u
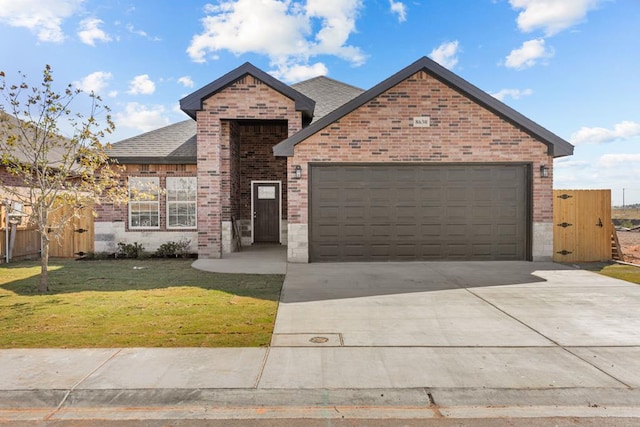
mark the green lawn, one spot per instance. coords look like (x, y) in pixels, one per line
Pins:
(135, 303)
(623, 272)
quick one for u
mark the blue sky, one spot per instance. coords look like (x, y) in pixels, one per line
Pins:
(573, 66)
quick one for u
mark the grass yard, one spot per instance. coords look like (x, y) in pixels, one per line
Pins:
(135, 303)
(622, 272)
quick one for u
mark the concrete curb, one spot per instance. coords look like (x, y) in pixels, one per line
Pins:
(270, 407)
(411, 397)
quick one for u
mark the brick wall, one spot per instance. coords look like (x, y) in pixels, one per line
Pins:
(8, 179)
(382, 131)
(109, 212)
(246, 99)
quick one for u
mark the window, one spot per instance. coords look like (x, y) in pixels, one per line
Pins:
(181, 202)
(144, 207)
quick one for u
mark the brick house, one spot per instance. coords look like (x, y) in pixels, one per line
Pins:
(423, 166)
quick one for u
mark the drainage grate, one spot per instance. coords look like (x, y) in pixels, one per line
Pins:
(319, 340)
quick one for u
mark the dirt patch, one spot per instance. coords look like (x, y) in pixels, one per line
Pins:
(630, 245)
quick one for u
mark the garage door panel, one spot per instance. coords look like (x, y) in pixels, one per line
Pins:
(482, 250)
(430, 231)
(418, 212)
(456, 212)
(478, 231)
(380, 230)
(354, 231)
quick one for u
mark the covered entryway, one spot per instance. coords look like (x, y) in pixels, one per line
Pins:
(375, 212)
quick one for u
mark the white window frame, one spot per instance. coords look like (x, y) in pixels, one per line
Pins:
(174, 202)
(152, 188)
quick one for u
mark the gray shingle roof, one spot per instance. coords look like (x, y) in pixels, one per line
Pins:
(11, 125)
(176, 143)
(173, 144)
(557, 146)
(329, 94)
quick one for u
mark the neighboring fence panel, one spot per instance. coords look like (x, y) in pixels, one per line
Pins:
(582, 225)
(76, 238)
(27, 244)
(27, 240)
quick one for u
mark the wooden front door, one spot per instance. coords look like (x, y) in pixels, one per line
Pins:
(266, 212)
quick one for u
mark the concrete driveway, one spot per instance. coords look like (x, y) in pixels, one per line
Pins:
(455, 324)
(498, 340)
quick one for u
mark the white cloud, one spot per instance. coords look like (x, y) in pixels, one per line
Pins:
(528, 54)
(622, 131)
(95, 82)
(90, 31)
(446, 54)
(617, 160)
(141, 33)
(297, 73)
(289, 32)
(186, 81)
(570, 163)
(44, 17)
(512, 93)
(552, 16)
(400, 9)
(142, 85)
(141, 117)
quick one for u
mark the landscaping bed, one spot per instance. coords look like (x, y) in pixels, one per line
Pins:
(135, 303)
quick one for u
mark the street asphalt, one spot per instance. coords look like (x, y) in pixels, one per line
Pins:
(404, 341)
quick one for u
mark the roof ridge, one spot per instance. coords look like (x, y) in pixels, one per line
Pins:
(329, 78)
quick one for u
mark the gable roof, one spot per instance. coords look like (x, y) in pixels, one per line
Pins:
(193, 102)
(557, 146)
(10, 125)
(328, 94)
(173, 144)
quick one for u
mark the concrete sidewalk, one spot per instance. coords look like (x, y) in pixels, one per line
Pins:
(424, 340)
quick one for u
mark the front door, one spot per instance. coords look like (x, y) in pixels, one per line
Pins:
(266, 212)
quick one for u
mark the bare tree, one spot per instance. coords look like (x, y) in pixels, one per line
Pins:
(45, 170)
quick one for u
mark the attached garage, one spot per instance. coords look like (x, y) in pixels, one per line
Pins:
(423, 166)
(405, 212)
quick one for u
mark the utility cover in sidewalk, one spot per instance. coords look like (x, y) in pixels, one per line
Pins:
(306, 340)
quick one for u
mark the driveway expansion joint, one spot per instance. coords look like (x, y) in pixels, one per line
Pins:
(513, 317)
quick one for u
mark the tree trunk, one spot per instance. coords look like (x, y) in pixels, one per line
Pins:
(44, 265)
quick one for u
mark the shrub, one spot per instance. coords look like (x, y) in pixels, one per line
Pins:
(129, 250)
(178, 249)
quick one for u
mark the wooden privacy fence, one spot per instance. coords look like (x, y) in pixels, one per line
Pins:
(582, 225)
(76, 239)
(26, 245)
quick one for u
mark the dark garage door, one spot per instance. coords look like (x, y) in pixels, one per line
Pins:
(419, 212)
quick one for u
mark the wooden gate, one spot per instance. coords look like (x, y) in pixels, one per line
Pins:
(582, 225)
(77, 237)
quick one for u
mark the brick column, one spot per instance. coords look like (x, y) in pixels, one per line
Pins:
(209, 185)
